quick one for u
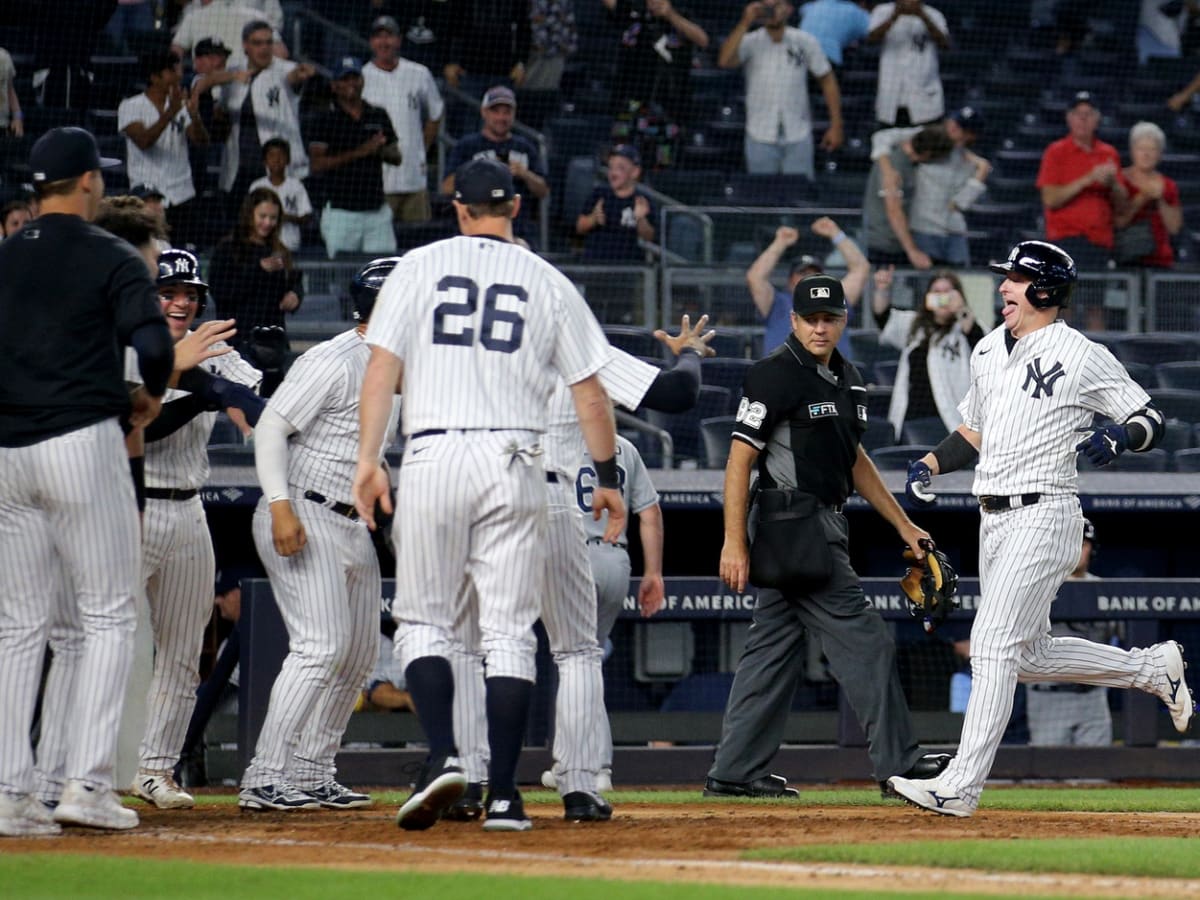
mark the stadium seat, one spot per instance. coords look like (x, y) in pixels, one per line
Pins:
(883, 373)
(238, 454)
(1177, 403)
(1187, 460)
(879, 433)
(685, 426)
(879, 398)
(689, 187)
(582, 173)
(717, 433)
(931, 430)
(1177, 435)
(224, 431)
(1154, 349)
(1185, 375)
(866, 349)
(727, 373)
(1019, 163)
(1145, 375)
(1155, 460)
(633, 339)
(770, 190)
(900, 456)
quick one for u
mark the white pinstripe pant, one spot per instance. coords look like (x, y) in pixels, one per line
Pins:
(67, 501)
(179, 568)
(1025, 555)
(328, 595)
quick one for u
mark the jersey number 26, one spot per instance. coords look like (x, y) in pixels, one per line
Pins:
(493, 334)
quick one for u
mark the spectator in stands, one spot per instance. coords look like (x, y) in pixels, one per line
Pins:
(406, 90)
(297, 208)
(13, 215)
(1080, 188)
(1180, 100)
(1160, 29)
(153, 202)
(497, 141)
(836, 24)
(259, 108)
(553, 39)
(654, 59)
(489, 44)
(935, 343)
(942, 191)
(65, 37)
(778, 60)
(1153, 197)
(910, 87)
(12, 119)
(775, 306)
(348, 142)
(226, 20)
(888, 196)
(617, 214)
(130, 17)
(158, 125)
(1077, 715)
(426, 26)
(251, 275)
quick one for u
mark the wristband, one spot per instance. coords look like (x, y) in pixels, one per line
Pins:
(606, 473)
(838, 238)
(954, 453)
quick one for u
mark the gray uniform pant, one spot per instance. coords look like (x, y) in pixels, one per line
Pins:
(861, 656)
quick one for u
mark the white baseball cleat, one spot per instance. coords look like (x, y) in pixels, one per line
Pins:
(161, 789)
(1175, 693)
(929, 794)
(603, 780)
(23, 816)
(93, 807)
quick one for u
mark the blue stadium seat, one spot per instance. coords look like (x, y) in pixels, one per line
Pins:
(717, 434)
(633, 339)
(865, 348)
(1187, 460)
(884, 372)
(1177, 403)
(1154, 349)
(725, 372)
(879, 433)
(1155, 460)
(770, 190)
(931, 431)
(879, 398)
(900, 456)
(685, 426)
(1184, 375)
(1177, 435)
(1145, 375)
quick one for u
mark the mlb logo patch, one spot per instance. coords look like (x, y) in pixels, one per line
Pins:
(818, 293)
(822, 410)
(862, 413)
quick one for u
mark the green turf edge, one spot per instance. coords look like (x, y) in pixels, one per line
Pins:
(1054, 798)
(1158, 857)
(51, 876)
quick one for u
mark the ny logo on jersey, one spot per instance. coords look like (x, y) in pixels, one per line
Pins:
(796, 57)
(919, 42)
(177, 125)
(414, 101)
(951, 351)
(1043, 382)
(291, 204)
(273, 96)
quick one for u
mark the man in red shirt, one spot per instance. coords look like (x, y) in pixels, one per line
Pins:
(1079, 186)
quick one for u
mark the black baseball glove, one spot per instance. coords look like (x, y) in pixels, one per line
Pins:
(930, 585)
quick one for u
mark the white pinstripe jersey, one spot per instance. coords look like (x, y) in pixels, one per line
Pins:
(1027, 404)
(180, 460)
(485, 328)
(625, 377)
(319, 398)
(164, 163)
(637, 490)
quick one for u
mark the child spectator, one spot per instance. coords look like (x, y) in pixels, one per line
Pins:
(297, 208)
(13, 215)
(619, 213)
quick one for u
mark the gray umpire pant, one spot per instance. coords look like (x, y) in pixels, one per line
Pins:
(861, 656)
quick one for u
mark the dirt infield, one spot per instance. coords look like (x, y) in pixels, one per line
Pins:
(700, 842)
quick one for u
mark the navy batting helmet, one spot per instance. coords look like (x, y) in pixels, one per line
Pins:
(364, 287)
(1049, 269)
(181, 267)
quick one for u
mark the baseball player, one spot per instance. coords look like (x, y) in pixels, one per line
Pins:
(322, 565)
(66, 499)
(481, 329)
(1036, 384)
(610, 567)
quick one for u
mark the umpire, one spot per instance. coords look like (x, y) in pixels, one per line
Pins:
(72, 296)
(799, 423)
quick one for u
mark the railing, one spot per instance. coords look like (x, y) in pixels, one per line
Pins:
(628, 420)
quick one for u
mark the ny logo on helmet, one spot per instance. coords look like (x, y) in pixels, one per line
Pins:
(1043, 382)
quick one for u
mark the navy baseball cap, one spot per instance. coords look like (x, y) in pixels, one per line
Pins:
(819, 293)
(483, 181)
(385, 23)
(1083, 97)
(209, 46)
(348, 65)
(499, 96)
(66, 152)
(628, 151)
(968, 118)
(146, 191)
(807, 263)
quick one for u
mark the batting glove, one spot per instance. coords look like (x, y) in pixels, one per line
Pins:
(920, 476)
(1104, 444)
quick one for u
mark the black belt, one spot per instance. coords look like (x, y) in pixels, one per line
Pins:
(1064, 688)
(433, 432)
(991, 503)
(170, 493)
(599, 540)
(342, 509)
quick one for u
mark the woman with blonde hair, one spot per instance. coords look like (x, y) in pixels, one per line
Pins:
(1153, 211)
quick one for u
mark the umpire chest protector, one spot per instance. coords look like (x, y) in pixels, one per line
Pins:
(812, 420)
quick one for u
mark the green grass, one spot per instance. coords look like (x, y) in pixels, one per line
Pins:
(1050, 798)
(39, 876)
(1125, 856)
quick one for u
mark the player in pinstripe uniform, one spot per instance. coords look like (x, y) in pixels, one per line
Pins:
(322, 565)
(66, 499)
(1035, 384)
(480, 329)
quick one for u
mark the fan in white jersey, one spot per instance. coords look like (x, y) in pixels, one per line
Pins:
(322, 565)
(481, 331)
(569, 610)
(1036, 384)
